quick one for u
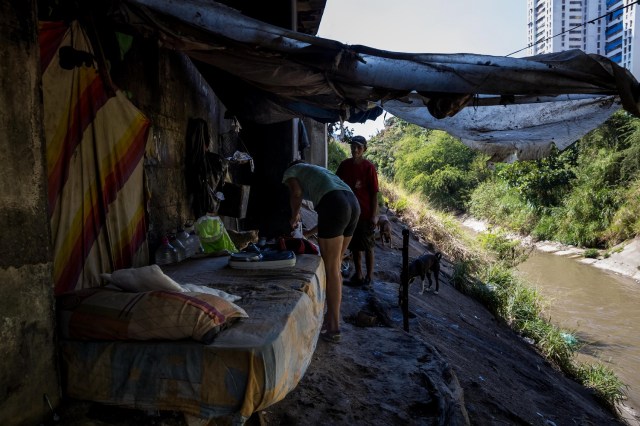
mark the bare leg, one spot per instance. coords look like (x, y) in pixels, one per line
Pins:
(369, 259)
(357, 262)
(332, 250)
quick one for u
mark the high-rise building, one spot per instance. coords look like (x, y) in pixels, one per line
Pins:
(605, 27)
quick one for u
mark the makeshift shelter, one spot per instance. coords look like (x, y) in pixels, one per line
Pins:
(263, 74)
(508, 108)
(512, 108)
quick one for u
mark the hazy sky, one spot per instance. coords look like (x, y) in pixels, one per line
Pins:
(491, 27)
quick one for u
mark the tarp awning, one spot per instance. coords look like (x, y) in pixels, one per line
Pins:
(510, 108)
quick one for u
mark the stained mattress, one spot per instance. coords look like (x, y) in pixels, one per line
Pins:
(250, 365)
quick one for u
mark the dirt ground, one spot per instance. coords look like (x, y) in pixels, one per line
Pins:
(455, 365)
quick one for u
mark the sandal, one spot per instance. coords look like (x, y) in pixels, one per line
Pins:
(331, 336)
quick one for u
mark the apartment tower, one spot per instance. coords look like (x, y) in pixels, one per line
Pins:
(605, 27)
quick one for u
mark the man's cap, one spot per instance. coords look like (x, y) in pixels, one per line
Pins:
(358, 140)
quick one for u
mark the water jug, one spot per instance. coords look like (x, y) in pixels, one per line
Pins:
(183, 237)
(180, 248)
(194, 245)
(166, 253)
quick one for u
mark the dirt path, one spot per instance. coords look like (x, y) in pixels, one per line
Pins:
(456, 365)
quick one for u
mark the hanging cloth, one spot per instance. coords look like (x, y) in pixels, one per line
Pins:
(204, 170)
(95, 143)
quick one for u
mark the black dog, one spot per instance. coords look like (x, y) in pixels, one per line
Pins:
(424, 266)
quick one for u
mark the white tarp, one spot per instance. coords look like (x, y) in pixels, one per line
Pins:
(516, 132)
(511, 108)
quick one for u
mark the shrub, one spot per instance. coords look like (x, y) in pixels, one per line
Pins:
(499, 203)
(591, 253)
(547, 225)
(400, 205)
(588, 212)
(541, 182)
(625, 223)
(438, 166)
(508, 251)
(337, 152)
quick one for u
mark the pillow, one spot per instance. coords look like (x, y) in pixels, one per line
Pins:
(146, 278)
(209, 290)
(101, 314)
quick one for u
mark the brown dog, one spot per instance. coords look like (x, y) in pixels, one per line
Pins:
(384, 226)
(424, 266)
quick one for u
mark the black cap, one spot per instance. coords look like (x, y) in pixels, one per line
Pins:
(358, 140)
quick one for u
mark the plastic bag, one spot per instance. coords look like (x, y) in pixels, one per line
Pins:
(213, 235)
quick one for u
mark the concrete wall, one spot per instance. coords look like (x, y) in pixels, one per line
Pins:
(317, 153)
(27, 351)
(171, 93)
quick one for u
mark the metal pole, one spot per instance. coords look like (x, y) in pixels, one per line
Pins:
(404, 279)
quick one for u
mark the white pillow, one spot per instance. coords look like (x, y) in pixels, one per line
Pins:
(138, 280)
(208, 290)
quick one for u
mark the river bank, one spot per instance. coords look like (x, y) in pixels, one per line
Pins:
(624, 259)
(603, 320)
(456, 364)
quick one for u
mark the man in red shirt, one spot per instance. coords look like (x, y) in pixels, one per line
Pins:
(361, 176)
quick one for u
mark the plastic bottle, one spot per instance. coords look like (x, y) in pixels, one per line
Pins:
(194, 244)
(183, 237)
(180, 249)
(166, 253)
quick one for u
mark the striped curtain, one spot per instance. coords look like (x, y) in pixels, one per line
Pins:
(95, 143)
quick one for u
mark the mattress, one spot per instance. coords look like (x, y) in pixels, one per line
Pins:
(250, 365)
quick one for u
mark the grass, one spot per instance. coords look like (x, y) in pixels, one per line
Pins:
(509, 251)
(438, 228)
(591, 253)
(483, 269)
(603, 381)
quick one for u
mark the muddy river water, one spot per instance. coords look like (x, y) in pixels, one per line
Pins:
(602, 309)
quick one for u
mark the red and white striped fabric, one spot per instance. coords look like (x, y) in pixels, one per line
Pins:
(95, 143)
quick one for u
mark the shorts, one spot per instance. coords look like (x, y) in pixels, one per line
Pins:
(338, 213)
(363, 237)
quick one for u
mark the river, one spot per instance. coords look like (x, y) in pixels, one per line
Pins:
(601, 308)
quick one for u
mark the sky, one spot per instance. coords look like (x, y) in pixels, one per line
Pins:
(490, 27)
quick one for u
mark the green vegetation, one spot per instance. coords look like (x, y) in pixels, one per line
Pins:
(591, 253)
(430, 163)
(482, 268)
(337, 152)
(602, 380)
(508, 251)
(588, 195)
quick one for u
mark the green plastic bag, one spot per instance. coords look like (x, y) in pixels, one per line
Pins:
(213, 235)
